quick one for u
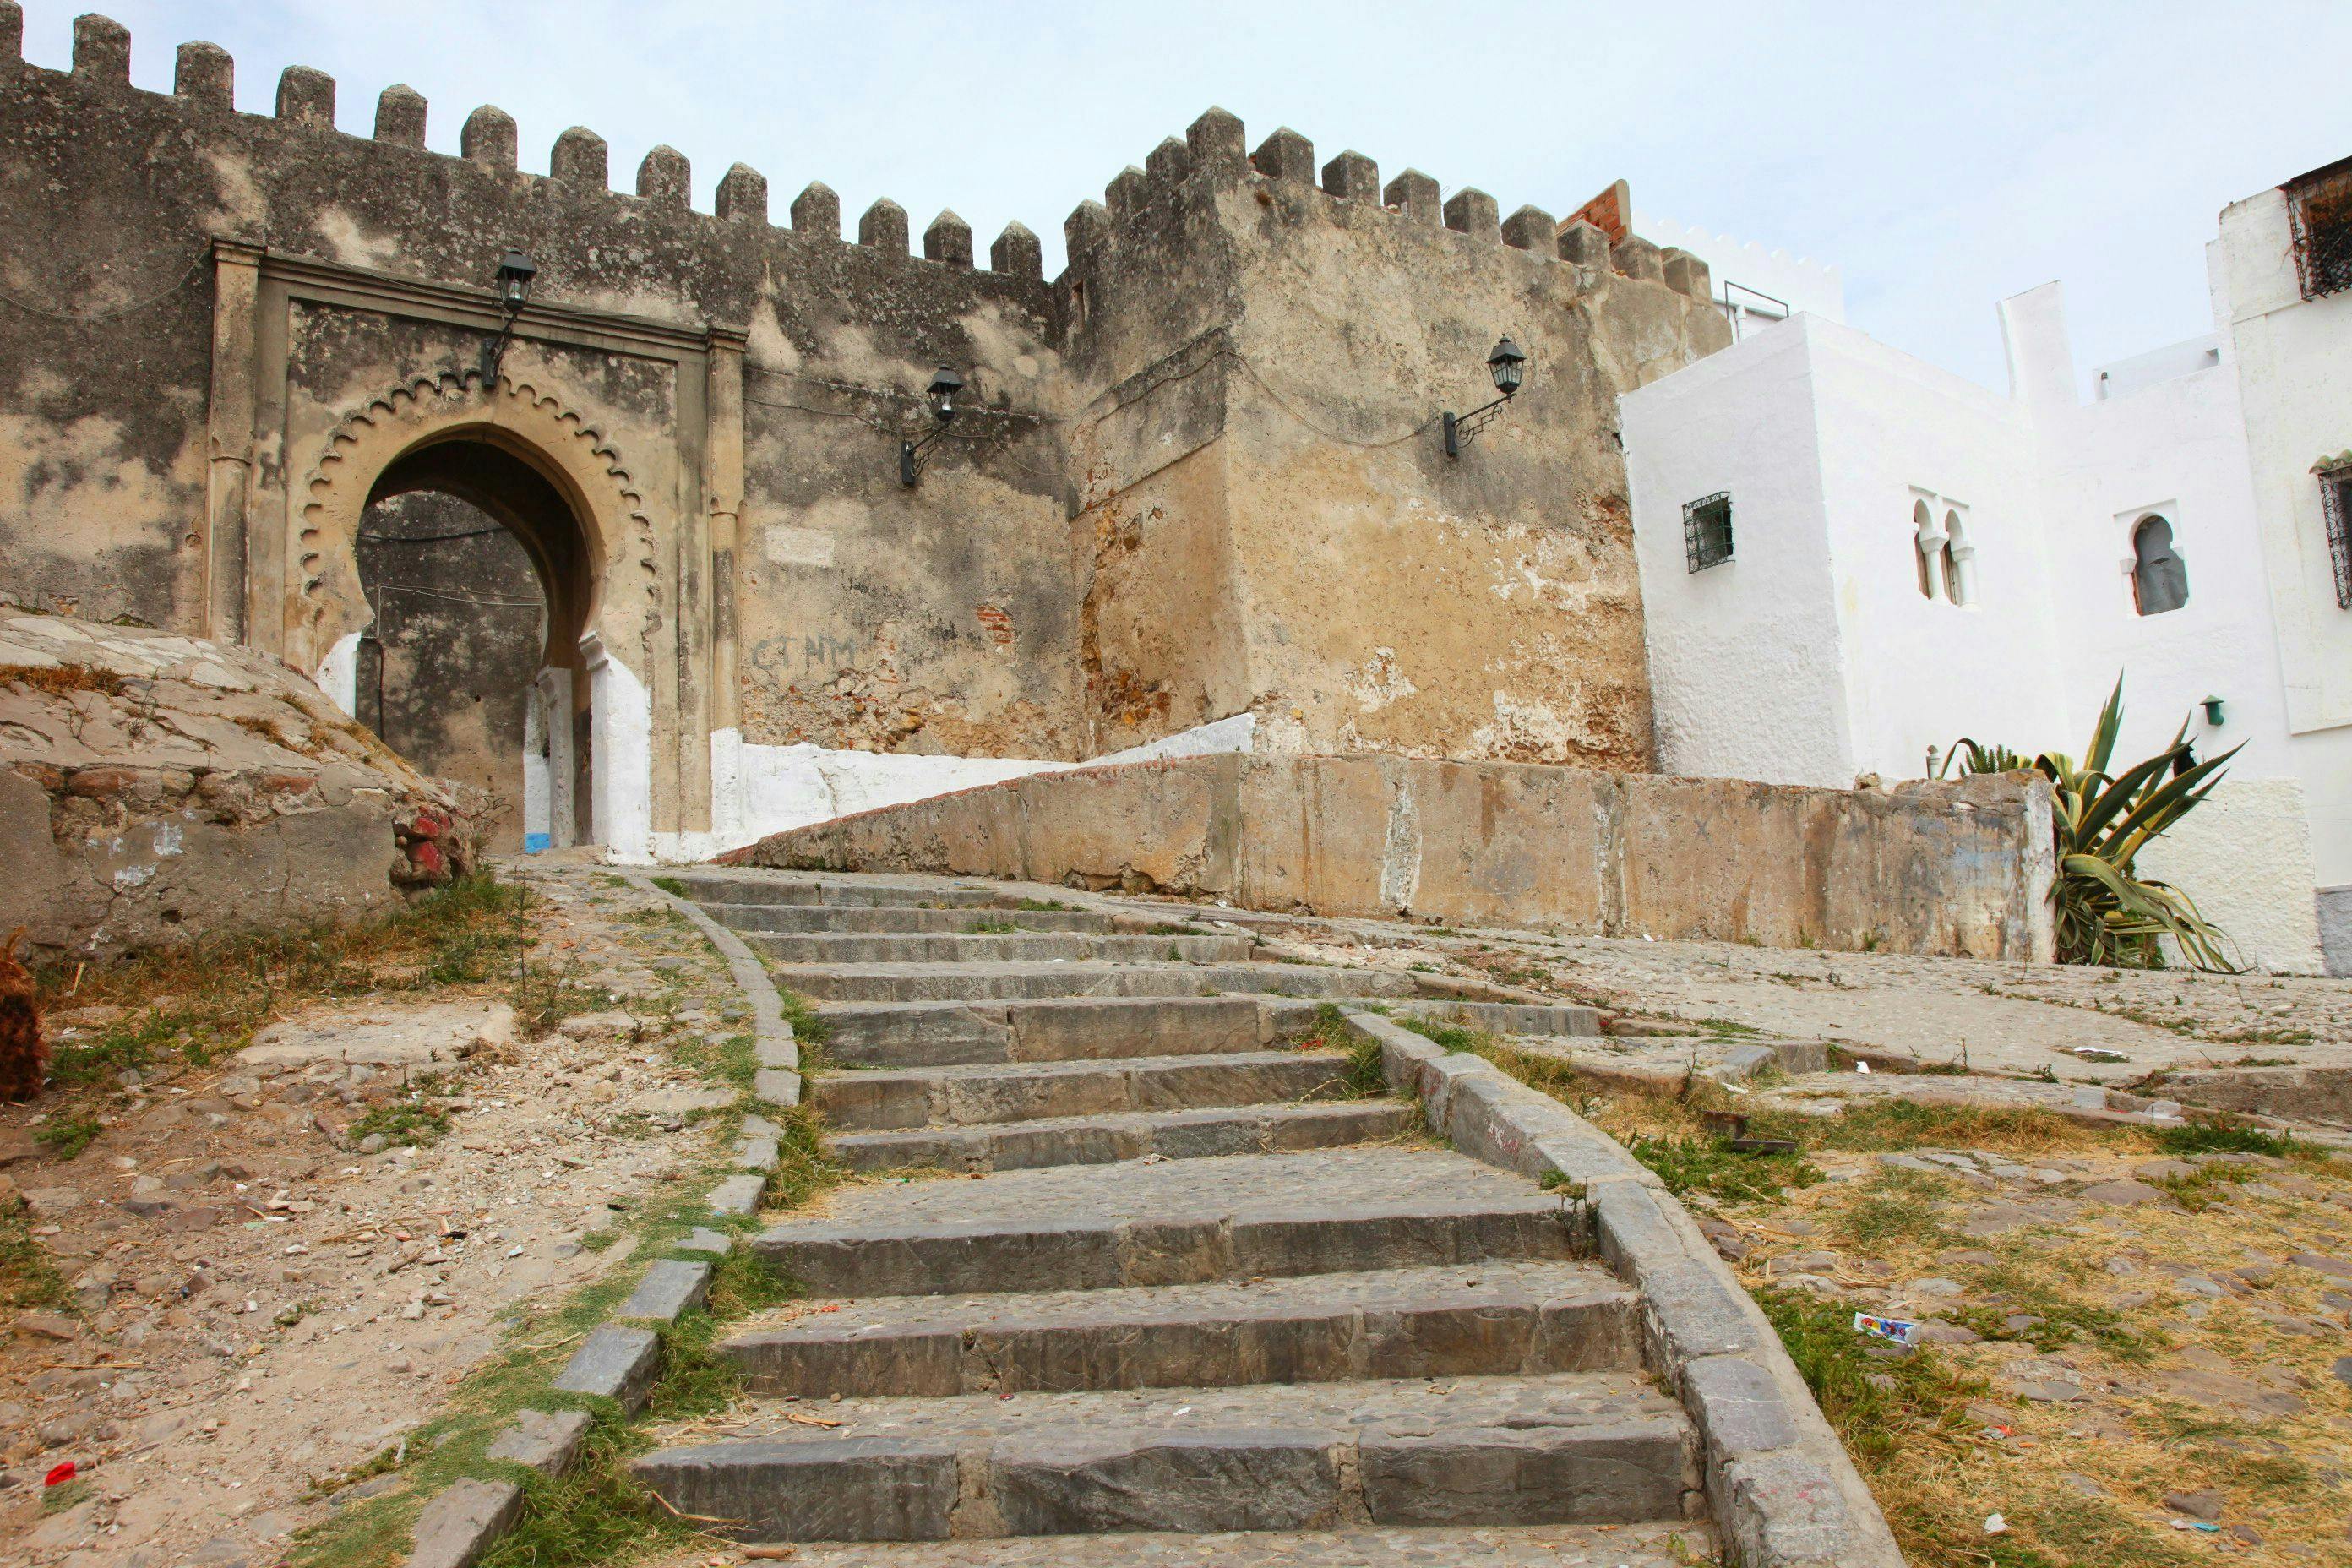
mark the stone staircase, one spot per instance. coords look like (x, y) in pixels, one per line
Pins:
(1199, 1275)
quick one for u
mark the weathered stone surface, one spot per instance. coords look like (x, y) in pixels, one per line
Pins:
(543, 1440)
(416, 1035)
(1249, 1478)
(178, 786)
(855, 1489)
(1486, 842)
(463, 1521)
(1453, 1321)
(615, 1363)
(1541, 1476)
(1132, 1135)
(670, 1288)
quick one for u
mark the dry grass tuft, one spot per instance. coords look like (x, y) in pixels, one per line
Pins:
(62, 679)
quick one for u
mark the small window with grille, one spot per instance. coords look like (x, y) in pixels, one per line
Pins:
(1706, 530)
(2335, 505)
(2319, 215)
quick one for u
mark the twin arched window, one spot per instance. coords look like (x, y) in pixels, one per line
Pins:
(1946, 560)
(2160, 577)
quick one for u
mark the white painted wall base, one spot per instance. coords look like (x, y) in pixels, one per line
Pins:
(758, 789)
(2245, 856)
(620, 754)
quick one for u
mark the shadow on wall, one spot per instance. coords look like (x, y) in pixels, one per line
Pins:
(445, 672)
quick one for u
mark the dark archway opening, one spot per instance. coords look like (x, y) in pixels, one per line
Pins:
(481, 581)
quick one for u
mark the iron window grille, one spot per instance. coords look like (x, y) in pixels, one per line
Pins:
(2319, 216)
(1706, 530)
(2335, 505)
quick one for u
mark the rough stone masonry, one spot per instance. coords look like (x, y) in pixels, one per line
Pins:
(1198, 475)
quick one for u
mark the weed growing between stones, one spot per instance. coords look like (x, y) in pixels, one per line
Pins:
(670, 885)
(68, 1134)
(416, 1119)
(28, 1280)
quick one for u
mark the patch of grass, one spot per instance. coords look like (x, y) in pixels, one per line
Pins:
(598, 1240)
(2064, 1319)
(991, 928)
(1040, 905)
(1711, 1166)
(1896, 1206)
(1875, 1405)
(66, 1495)
(2201, 1189)
(1452, 1037)
(414, 1118)
(1727, 1027)
(2206, 1138)
(1164, 928)
(67, 1133)
(670, 885)
(28, 1276)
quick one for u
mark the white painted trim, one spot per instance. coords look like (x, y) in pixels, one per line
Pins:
(758, 790)
(339, 674)
(621, 747)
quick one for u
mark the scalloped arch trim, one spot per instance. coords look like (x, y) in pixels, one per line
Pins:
(366, 441)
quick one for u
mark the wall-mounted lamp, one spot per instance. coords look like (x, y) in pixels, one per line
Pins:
(944, 386)
(1507, 365)
(515, 272)
(2212, 706)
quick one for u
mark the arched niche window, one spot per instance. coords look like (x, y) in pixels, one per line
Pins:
(1923, 548)
(2160, 577)
(1959, 562)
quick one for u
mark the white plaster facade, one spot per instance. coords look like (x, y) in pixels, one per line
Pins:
(1860, 476)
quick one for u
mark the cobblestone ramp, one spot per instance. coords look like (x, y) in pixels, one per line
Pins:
(1196, 1277)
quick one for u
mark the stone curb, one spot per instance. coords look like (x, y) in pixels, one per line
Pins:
(621, 1360)
(772, 1036)
(1782, 1488)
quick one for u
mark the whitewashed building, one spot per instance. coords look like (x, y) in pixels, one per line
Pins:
(1850, 556)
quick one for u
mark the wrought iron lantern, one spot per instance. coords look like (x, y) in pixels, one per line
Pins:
(516, 270)
(1509, 365)
(945, 385)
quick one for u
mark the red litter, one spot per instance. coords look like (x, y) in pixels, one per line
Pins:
(59, 1476)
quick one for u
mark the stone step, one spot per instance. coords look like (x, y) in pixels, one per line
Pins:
(1167, 1223)
(943, 1034)
(1675, 1546)
(1029, 1091)
(1033, 980)
(840, 918)
(784, 889)
(1132, 1135)
(837, 948)
(1520, 1317)
(1569, 1449)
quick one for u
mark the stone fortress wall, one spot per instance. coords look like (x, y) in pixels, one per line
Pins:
(1201, 476)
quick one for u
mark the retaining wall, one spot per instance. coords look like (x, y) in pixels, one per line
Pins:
(1960, 869)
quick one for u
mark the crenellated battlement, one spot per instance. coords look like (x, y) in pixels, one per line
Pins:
(1205, 472)
(1214, 150)
(203, 80)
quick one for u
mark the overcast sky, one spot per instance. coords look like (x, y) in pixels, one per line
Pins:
(1942, 157)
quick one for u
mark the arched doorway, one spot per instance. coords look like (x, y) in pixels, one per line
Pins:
(557, 490)
(481, 579)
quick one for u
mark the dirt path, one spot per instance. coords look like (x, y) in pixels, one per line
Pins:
(256, 1308)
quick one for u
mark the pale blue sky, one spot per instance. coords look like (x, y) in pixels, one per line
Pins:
(1942, 156)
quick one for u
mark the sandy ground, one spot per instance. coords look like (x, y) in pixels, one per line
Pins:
(284, 1309)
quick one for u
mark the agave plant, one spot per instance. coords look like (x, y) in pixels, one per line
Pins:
(2107, 913)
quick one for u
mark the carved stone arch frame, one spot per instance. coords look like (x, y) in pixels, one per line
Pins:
(658, 510)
